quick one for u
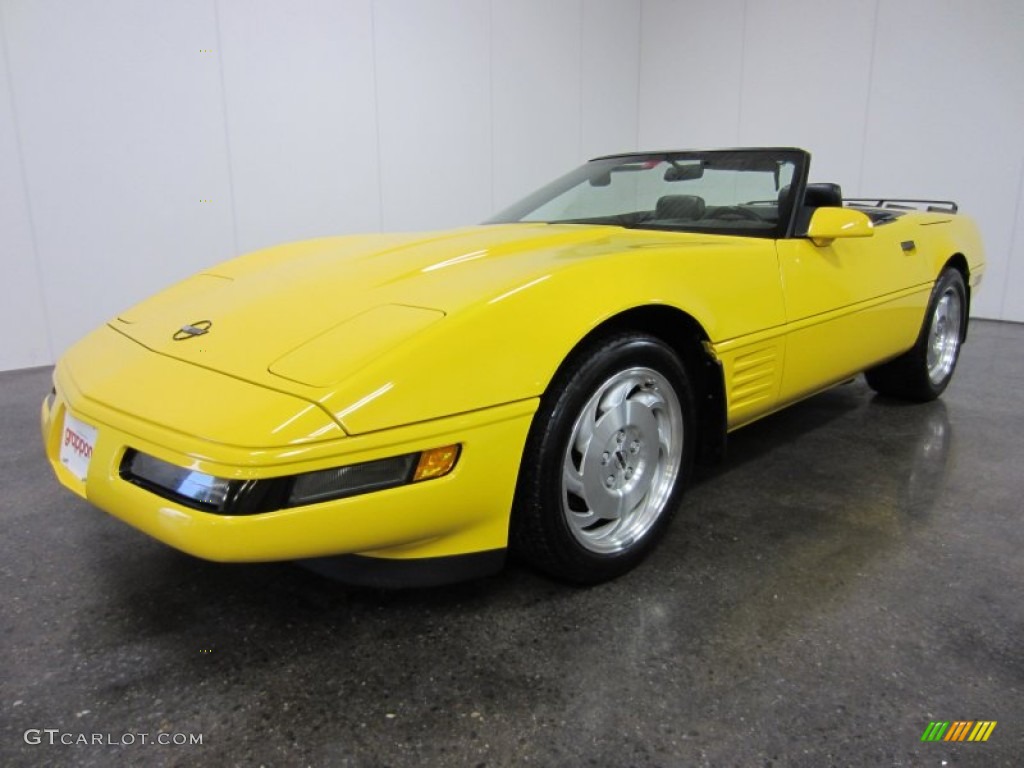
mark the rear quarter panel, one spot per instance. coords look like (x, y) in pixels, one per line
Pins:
(941, 237)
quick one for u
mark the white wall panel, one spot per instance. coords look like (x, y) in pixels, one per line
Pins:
(536, 93)
(24, 339)
(433, 95)
(314, 117)
(301, 116)
(945, 116)
(122, 136)
(1011, 300)
(811, 93)
(610, 77)
(690, 73)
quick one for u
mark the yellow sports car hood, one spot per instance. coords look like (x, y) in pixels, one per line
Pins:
(315, 312)
(383, 330)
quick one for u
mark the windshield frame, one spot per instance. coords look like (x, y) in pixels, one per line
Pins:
(756, 157)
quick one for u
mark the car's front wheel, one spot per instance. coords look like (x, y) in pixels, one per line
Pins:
(606, 460)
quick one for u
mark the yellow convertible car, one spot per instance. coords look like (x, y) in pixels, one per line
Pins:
(406, 408)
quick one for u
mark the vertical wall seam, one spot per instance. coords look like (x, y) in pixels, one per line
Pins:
(1003, 311)
(867, 101)
(743, 72)
(227, 130)
(639, 72)
(579, 133)
(376, 115)
(23, 172)
(490, 98)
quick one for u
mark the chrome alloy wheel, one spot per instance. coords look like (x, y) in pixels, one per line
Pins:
(944, 336)
(622, 461)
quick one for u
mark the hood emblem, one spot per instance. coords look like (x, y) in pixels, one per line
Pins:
(192, 330)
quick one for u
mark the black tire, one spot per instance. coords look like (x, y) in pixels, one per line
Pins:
(595, 493)
(925, 371)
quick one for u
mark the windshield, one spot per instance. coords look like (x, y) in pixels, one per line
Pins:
(727, 192)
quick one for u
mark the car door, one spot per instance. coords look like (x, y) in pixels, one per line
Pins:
(850, 303)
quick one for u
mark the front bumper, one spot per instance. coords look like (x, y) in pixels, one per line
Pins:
(465, 512)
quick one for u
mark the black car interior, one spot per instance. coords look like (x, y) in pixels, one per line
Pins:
(686, 209)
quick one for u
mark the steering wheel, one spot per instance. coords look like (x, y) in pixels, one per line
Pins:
(734, 212)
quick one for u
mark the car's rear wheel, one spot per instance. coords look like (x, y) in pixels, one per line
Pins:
(606, 460)
(925, 371)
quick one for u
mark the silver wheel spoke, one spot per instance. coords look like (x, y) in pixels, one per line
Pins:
(630, 500)
(571, 477)
(584, 432)
(615, 396)
(581, 521)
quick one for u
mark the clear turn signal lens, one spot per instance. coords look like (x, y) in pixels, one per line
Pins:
(197, 487)
(337, 483)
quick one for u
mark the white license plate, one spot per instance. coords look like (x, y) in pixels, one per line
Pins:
(76, 446)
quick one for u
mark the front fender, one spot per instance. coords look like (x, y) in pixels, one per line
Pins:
(507, 347)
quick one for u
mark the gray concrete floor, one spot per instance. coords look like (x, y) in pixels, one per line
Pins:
(852, 572)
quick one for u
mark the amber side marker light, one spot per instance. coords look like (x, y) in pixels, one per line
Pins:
(436, 462)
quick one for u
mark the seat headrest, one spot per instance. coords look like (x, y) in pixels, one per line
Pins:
(823, 196)
(679, 207)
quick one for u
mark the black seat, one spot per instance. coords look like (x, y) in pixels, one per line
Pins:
(822, 195)
(689, 207)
